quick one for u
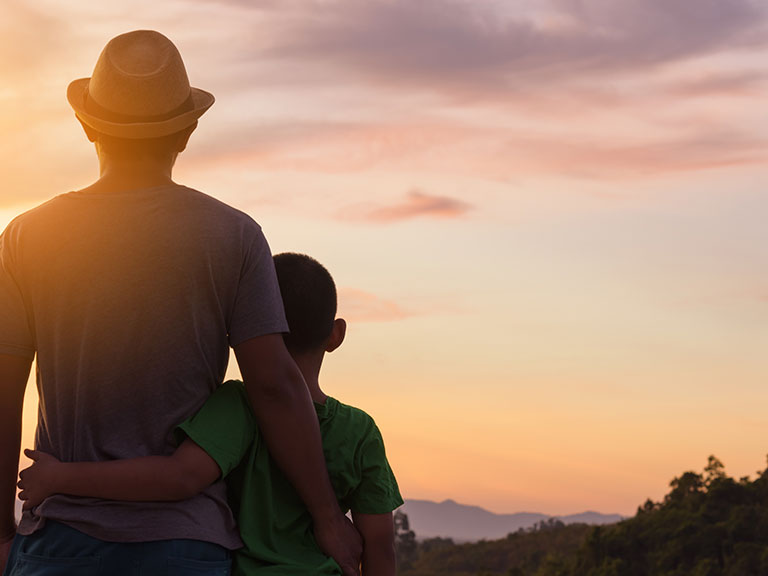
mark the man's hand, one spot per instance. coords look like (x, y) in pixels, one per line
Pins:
(340, 540)
(38, 481)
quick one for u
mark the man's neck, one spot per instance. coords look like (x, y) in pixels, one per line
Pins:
(120, 175)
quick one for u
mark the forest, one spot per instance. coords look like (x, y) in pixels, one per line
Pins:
(708, 524)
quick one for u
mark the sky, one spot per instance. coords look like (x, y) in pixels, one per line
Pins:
(546, 218)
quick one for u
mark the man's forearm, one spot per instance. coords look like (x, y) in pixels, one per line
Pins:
(14, 372)
(288, 422)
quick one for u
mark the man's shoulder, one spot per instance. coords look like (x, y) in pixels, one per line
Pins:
(195, 198)
(42, 211)
(177, 196)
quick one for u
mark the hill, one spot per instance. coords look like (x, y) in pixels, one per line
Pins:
(462, 523)
(707, 525)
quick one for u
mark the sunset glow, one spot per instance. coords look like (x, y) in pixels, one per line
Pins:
(546, 218)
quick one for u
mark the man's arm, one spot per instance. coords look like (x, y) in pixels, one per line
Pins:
(378, 532)
(182, 475)
(14, 372)
(288, 422)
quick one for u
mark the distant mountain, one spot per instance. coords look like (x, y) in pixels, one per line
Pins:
(463, 523)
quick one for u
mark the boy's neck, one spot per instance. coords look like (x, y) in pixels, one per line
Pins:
(309, 364)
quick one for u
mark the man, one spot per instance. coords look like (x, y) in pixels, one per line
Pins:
(130, 293)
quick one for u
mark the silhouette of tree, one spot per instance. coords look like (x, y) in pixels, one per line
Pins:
(405, 541)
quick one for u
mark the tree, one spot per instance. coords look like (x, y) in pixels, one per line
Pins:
(405, 540)
(714, 470)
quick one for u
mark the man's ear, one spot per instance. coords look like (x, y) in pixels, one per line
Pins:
(89, 132)
(337, 335)
(184, 137)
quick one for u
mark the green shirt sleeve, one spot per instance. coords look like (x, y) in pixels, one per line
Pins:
(224, 427)
(377, 492)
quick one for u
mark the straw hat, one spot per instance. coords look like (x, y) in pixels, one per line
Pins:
(139, 89)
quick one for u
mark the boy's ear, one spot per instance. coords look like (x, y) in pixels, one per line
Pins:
(337, 335)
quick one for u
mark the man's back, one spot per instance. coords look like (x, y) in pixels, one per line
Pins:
(132, 300)
(117, 288)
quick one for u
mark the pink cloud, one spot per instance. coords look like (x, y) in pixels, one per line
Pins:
(464, 150)
(697, 151)
(416, 204)
(741, 83)
(360, 306)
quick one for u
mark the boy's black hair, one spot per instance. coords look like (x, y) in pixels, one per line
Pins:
(309, 298)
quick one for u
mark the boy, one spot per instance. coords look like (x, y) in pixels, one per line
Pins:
(222, 440)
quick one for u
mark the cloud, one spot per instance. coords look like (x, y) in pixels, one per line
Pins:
(360, 306)
(583, 149)
(697, 150)
(460, 45)
(416, 204)
(737, 83)
(335, 147)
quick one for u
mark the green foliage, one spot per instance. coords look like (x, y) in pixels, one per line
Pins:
(707, 525)
(545, 550)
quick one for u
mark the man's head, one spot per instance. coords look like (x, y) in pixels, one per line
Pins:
(309, 298)
(139, 92)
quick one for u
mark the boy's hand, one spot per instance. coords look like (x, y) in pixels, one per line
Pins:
(37, 481)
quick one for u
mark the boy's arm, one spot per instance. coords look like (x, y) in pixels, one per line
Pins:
(181, 475)
(288, 423)
(378, 532)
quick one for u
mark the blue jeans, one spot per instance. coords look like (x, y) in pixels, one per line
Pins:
(58, 550)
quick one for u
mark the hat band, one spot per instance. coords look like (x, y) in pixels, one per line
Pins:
(95, 109)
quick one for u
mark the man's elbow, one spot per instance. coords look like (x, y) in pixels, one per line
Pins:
(269, 372)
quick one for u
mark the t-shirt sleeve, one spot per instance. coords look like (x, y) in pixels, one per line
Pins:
(224, 427)
(258, 308)
(15, 335)
(377, 492)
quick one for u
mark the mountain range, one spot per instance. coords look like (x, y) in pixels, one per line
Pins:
(462, 523)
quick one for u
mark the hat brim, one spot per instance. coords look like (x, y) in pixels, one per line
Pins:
(78, 90)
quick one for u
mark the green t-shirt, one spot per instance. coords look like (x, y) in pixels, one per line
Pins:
(274, 524)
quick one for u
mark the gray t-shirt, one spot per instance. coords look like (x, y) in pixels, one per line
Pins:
(131, 301)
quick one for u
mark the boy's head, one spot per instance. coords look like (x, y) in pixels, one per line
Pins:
(309, 299)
